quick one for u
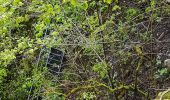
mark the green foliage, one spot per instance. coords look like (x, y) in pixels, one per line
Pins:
(161, 73)
(116, 7)
(108, 1)
(101, 68)
(73, 2)
(102, 41)
(131, 12)
(88, 96)
(3, 73)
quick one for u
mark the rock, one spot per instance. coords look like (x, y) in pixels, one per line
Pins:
(167, 62)
(167, 1)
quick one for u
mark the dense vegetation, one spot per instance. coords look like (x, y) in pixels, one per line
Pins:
(113, 49)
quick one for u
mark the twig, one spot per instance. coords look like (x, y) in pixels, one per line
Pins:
(161, 36)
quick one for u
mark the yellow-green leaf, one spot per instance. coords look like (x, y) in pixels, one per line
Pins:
(108, 1)
(85, 6)
(54, 33)
(116, 7)
(116, 1)
(57, 8)
(73, 2)
(138, 50)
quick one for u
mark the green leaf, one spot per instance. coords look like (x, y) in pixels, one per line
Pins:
(73, 2)
(163, 71)
(101, 69)
(108, 1)
(65, 1)
(57, 8)
(54, 33)
(31, 51)
(47, 20)
(116, 7)
(40, 34)
(153, 3)
(3, 72)
(116, 1)
(138, 49)
(84, 6)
